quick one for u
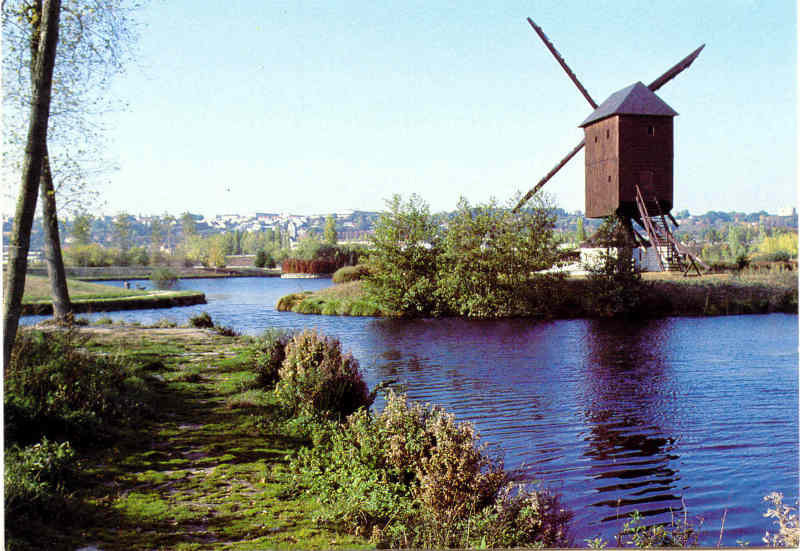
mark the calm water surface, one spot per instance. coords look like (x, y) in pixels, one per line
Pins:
(616, 416)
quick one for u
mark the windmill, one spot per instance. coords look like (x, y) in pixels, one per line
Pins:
(629, 158)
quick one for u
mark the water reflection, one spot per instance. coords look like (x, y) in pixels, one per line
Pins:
(630, 443)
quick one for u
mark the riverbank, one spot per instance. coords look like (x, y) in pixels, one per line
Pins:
(92, 297)
(202, 466)
(656, 295)
(143, 272)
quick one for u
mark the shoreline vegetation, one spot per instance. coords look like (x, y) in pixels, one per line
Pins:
(193, 438)
(93, 297)
(655, 295)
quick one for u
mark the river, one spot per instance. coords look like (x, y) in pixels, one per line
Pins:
(654, 416)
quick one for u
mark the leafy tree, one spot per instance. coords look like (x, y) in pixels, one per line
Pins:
(330, 234)
(404, 260)
(489, 255)
(123, 231)
(216, 251)
(308, 248)
(82, 229)
(188, 226)
(580, 234)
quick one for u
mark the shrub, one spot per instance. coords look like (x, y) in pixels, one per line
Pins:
(163, 278)
(266, 355)
(225, 331)
(54, 388)
(35, 476)
(413, 477)
(350, 273)
(263, 260)
(202, 321)
(164, 323)
(316, 378)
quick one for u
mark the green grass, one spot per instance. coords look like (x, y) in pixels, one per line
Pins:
(344, 299)
(37, 289)
(208, 470)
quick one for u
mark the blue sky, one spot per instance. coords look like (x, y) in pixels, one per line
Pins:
(308, 107)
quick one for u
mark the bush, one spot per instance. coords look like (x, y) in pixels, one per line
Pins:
(316, 378)
(163, 278)
(266, 355)
(35, 477)
(201, 321)
(414, 477)
(350, 273)
(55, 389)
(264, 260)
(225, 331)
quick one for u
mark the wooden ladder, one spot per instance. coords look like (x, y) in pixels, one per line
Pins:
(677, 257)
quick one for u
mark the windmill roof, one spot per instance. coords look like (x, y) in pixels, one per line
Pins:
(636, 99)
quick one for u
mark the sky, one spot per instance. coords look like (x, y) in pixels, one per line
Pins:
(318, 107)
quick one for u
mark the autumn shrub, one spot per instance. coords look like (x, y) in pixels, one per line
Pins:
(316, 378)
(411, 476)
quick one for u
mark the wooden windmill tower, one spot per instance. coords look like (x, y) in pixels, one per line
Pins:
(629, 159)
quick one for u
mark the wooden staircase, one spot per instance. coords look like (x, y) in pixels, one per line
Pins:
(672, 255)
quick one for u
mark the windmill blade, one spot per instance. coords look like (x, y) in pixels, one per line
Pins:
(675, 70)
(561, 62)
(549, 175)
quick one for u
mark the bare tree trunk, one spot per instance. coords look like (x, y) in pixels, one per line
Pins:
(52, 241)
(31, 173)
(52, 244)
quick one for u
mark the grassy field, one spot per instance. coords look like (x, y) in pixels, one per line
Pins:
(205, 470)
(94, 297)
(37, 289)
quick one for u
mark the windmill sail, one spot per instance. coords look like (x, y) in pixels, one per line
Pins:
(674, 71)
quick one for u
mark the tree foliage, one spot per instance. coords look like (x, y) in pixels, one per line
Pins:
(404, 260)
(489, 254)
(95, 41)
(479, 266)
(82, 229)
(330, 234)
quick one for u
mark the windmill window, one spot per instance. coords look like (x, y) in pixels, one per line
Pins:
(609, 178)
(595, 139)
(651, 131)
(608, 134)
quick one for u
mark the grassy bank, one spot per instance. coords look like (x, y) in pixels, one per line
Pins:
(656, 295)
(201, 463)
(94, 297)
(344, 299)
